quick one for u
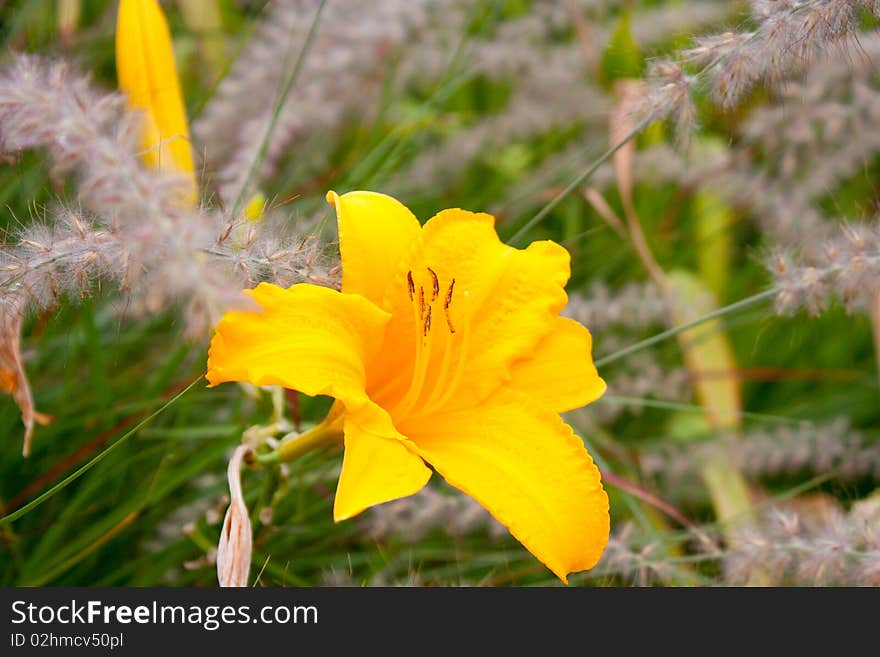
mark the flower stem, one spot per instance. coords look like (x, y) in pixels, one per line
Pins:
(292, 446)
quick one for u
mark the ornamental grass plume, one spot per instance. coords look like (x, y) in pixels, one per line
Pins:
(811, 541)
(774, 452)
(444, 347)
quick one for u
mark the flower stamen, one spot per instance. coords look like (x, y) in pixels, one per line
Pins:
(410, 285)
(436, 284)
(427, 322)
(422, 324)
(423, 395)
(452, 367)
(446, 305)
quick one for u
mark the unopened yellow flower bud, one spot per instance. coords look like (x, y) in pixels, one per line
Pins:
(255, 207)
(148, 76)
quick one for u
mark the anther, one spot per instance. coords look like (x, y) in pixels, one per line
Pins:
(411, 286)
(449, 295)
(436, 281)
(427, 322)
(447, 304)
(421, 302)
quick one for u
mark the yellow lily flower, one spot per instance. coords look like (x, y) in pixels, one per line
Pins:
(147, 74)
(444, 347)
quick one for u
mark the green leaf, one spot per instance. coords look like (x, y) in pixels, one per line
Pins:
(621, 58)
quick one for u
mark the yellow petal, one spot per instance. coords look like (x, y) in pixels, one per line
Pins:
(308, 338)
(526, 466)
(560, 373)
(506, 299)
(376, 233)
(376, 467)
(148, 76)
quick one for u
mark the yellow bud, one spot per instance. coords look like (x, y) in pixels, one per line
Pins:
(147, 74)
(255, 206)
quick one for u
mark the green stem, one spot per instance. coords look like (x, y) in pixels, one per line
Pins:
(638, 346)
(280, 101)
(577, 182)
(292, 446)
(88, 466)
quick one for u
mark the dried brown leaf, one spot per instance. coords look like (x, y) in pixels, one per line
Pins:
(13, 380)
(236, 539)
